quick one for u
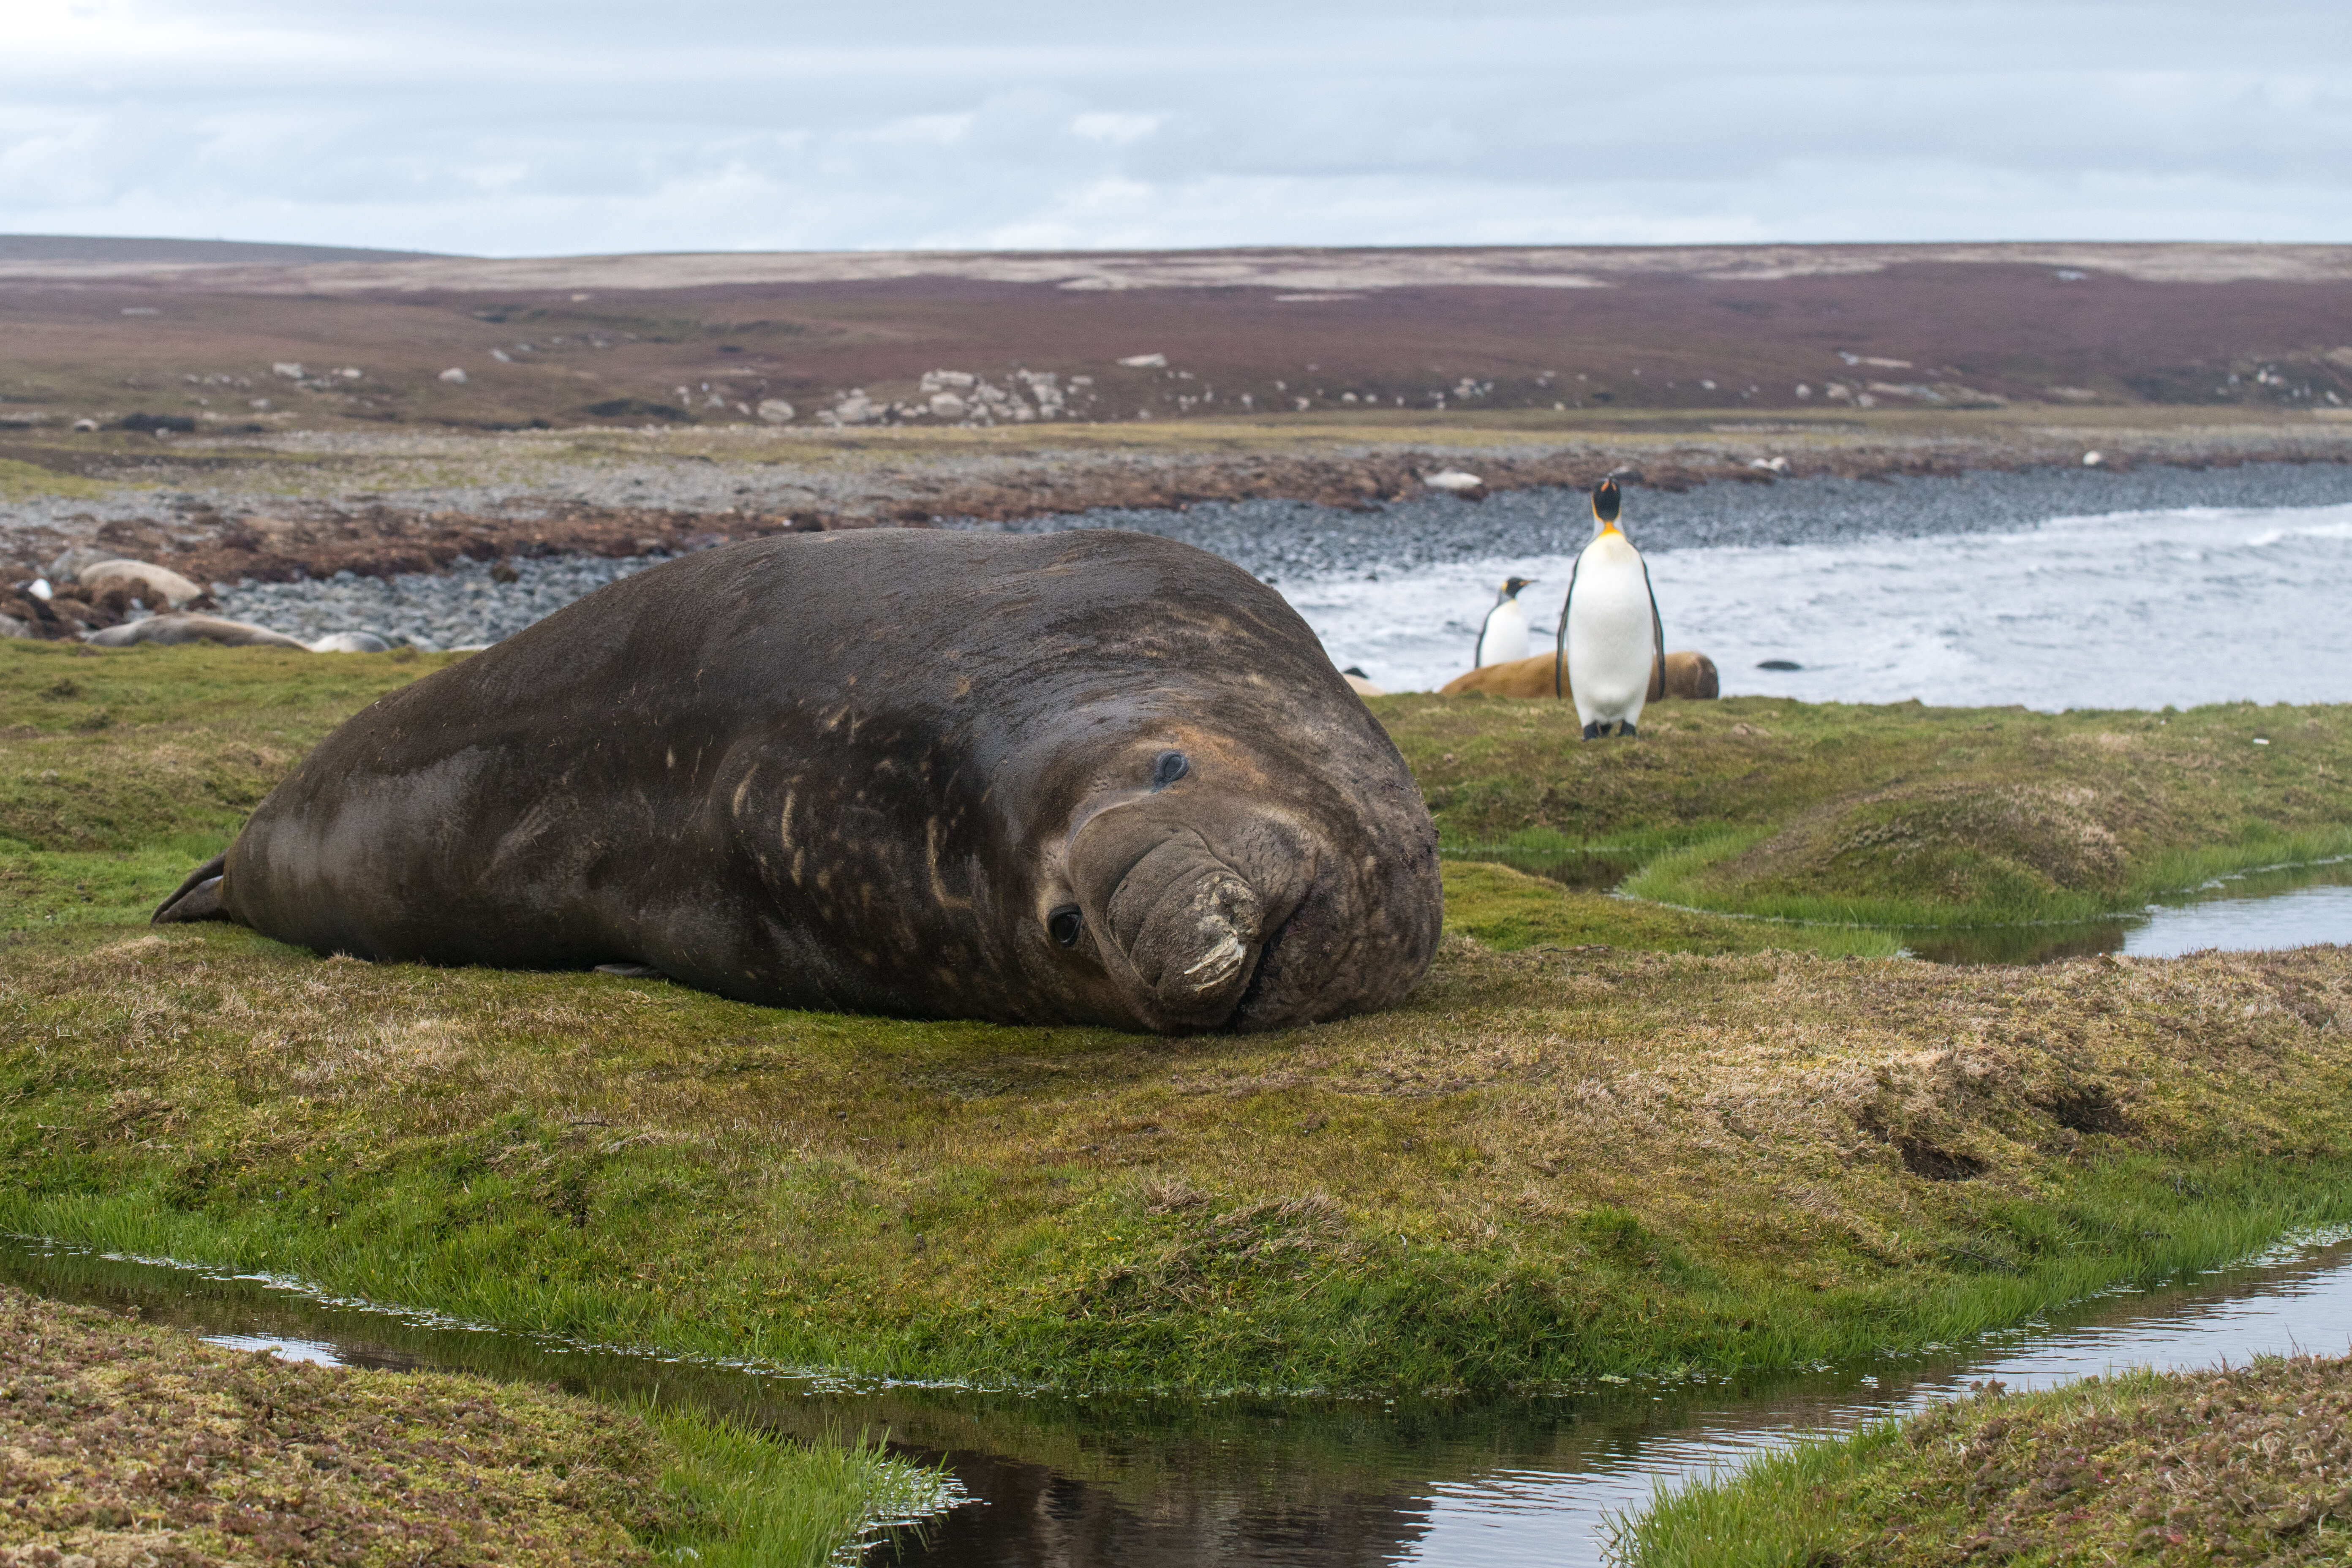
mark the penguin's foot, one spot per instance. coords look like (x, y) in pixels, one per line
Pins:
(1592, 732)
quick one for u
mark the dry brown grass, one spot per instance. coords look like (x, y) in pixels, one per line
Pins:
(122, 1445)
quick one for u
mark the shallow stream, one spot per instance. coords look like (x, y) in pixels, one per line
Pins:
(1300, 1483)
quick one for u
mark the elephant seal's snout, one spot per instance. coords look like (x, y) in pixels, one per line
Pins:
(1188, 925)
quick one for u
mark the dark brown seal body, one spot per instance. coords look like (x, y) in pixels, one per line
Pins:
(1085, 777)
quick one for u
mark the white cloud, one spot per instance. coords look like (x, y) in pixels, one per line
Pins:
(570, 125)
(1117, 130)
(922, 129)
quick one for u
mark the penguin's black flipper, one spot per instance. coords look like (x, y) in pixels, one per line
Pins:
(1559, 649)
(1657, 627)
(197, 899)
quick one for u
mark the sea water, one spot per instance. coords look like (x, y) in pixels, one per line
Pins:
(2130, 609)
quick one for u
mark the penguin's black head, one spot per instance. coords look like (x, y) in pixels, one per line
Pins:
(1511, 586)
(1606, 501)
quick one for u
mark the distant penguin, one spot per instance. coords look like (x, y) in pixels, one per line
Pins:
(1504, 637)
(1610, 635)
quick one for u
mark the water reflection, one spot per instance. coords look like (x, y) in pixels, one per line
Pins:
(1315, 1484)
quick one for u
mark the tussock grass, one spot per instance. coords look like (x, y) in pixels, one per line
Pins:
(2244, 1464)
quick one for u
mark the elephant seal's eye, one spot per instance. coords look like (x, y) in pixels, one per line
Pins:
(1167, 767)
(1065, 924)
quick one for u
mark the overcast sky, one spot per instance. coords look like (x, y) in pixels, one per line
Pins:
(524, 126)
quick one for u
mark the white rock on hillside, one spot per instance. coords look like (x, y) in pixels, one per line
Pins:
(454, 376)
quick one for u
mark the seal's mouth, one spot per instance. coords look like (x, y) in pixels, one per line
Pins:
(1255, 995)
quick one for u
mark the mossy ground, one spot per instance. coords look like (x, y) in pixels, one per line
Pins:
(1896, 815)
(1639, 1141)
(121, 1443)
(2246, 1464)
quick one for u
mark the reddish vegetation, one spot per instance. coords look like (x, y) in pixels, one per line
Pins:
(1665, 329)
(1688, 340)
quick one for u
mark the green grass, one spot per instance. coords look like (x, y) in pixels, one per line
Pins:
(1404, 1202)
(20, 480)
(756, 1502)
(1510, 911)
(1605, 1137)
(2240, 1464)
(1897, 816)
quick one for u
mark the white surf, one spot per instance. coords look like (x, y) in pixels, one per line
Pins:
(2125, 610)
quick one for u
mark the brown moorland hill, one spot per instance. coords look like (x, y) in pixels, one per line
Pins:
(194, 331)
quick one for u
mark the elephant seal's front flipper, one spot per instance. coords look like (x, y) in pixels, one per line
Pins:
(198, 898)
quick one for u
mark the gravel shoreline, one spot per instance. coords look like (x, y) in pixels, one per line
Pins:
(310, 504)
(1285, 542)
(1292, 542)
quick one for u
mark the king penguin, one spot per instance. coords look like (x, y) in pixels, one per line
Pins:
(1610, 635)
(1504, 637)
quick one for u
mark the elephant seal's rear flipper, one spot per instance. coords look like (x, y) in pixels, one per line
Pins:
(198, 898)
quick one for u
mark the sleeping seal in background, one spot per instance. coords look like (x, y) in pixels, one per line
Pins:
(175, 628)
(1081, 777)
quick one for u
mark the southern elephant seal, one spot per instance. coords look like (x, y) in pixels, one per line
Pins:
(1084, 777)
(158, 587)
(171, 630)
(1684, 674)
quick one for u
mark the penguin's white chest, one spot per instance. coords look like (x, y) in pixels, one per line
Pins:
(1504, 636)
(1611, 634)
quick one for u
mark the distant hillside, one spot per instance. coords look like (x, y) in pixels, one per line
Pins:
(295, 336)
(73, 247)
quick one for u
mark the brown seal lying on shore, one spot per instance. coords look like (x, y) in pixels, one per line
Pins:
(1688, 676)
(1085, 777)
